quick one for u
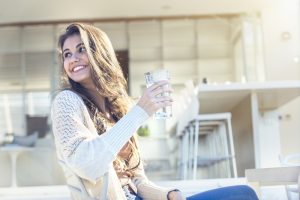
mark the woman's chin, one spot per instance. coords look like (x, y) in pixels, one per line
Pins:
(84, 81)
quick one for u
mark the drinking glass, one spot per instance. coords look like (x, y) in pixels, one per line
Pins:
(153, 77)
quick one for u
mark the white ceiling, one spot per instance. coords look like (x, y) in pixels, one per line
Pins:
(15, 11)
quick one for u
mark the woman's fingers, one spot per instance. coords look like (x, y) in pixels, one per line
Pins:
(163, 99)
(162, 91)
(158, 84)
(160, 88)
(156, 96)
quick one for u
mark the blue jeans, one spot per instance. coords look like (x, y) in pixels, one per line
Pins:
(239, 192)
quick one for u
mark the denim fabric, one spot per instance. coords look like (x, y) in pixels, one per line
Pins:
(129, 194)
(240, 192)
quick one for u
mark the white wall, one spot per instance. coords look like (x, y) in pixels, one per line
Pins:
(278, 18)
(243, 136)
(252, 48)
(239, 61)
(281, 35)
(290, 127)
(269, 140)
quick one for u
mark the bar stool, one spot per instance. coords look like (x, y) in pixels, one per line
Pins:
(216, 144)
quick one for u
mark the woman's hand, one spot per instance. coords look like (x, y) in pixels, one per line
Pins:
(152, 98)
(175, 195)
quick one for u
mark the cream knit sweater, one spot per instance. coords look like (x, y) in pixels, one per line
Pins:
(86, 157)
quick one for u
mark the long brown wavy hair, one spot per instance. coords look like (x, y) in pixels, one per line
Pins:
(109, 80)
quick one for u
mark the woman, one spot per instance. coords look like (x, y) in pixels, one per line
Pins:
(94, 126)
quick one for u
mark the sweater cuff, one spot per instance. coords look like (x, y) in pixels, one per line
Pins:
(140, 112)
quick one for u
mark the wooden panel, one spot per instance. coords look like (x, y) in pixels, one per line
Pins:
(10, 39)
(179, 52)
(213, 31)
(38, 38)
(214, 50)
(144, 34)
(138, 69)
(38, 67)
(8, 60)
(117, 33)
(183, 68)
(178, 33)
(145, 53)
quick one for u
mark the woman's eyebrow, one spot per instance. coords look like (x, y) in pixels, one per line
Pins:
(65, 49)
(80, 44)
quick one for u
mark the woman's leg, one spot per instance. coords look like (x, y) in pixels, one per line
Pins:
(239, 192)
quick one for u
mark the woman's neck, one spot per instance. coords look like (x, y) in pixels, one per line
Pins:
(98, 100)
(96, 97)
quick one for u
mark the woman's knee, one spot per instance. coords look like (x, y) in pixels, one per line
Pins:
(246, 191)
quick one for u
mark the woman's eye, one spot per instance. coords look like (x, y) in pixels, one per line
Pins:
(67, 55)
(82, 49)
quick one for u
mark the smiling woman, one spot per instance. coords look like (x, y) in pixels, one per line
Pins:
(75, 60)
(94, 125)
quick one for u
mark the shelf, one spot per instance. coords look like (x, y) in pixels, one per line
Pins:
(224, 97)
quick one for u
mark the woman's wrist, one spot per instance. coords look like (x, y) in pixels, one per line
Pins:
(169, 193)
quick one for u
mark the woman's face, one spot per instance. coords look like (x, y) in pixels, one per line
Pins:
(75, 59)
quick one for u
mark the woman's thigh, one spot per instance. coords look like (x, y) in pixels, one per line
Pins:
(239, 192)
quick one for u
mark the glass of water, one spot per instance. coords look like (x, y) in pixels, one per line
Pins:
(153, 77)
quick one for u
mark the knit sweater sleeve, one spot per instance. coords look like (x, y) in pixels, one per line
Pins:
(88, 154)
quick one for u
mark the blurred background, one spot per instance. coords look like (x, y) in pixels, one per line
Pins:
(234, 66)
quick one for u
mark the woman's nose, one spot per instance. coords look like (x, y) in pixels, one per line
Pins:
(74, 57)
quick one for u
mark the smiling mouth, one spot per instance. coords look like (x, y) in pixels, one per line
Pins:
(78, 68)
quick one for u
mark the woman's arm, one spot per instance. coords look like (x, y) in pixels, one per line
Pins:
(86, 153)
(149, 191)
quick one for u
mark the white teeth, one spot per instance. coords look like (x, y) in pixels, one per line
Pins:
(75, 69)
